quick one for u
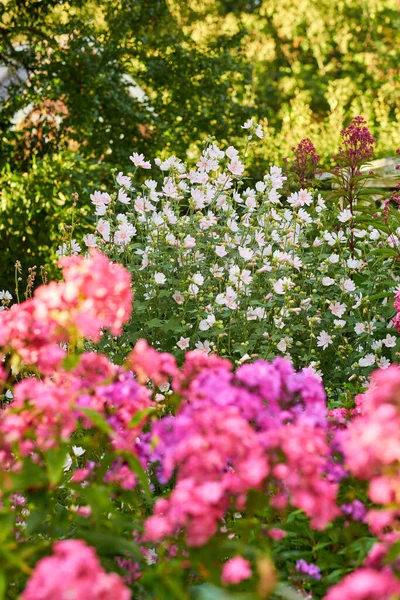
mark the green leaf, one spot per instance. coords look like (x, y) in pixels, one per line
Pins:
(55, 461)
(154, 323)
(140, 415)
(110, 544)
(71, 361)
(284, 591)
(211, 592)
(137, 468)
(98, 420)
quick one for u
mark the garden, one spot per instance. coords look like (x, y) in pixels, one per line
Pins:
(200, 300)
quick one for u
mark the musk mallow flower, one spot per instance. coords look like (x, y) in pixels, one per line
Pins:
(327, 281)
(281, 286)
(324, 340)
(103, 227)
(160, 278)
(367, 361)
(389, 341)
(100, 198)
(337, 309)
(183, 343)
(139, 161)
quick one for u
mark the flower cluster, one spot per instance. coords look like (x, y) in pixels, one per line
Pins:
(263, 427)
(371, 445)
(95, 294)
(73, 571)
(251, 268)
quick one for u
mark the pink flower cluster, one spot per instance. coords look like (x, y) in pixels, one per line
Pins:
(95, 293)
(263, 427)
(45, 413)
(371, 445)
(396, 320)
(73, 571)
(366, 584)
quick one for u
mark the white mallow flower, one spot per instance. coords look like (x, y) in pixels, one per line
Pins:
(347, 285)
(160, 278)
(276, 177)
(246, 277)
(300, 198)
(389, 341)
(360, 233)
(278, 321)
(123, 196)
(337, 309)
(273, 196)
(374, 235)
(100, 198)
(78, 451)
(220, 251)
(259, 132)
(248, 124)
(189, 242)
(245, 253)
(367, 360)
(103, 227)
(256, 313)
(139, 161)
(228, 299)
(377, 344)
(90, 240)
(178, 297)
(284, 344)
(327, 281)
(260, 186)
(183, 343)
(193, 289)
(345, 215)
(334, 259)
(5, 295)
(383, 363)
(236, 167)
(101, 210)
(198, 279)
(333, 238)
(353, 263)
(205, 324)
(282, 285)
(124, 180)
(359, 328)
(323, 340)
(204, 347)
(304, 216)
(339, 322)
(217, 271)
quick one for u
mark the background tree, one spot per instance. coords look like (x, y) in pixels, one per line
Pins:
(88, 82)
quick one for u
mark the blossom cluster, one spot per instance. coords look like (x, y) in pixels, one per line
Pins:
(73, 571)
(95, 294)
(251, 268)
(262, 427)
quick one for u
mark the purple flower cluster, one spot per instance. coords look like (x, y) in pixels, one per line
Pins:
(308, 569)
